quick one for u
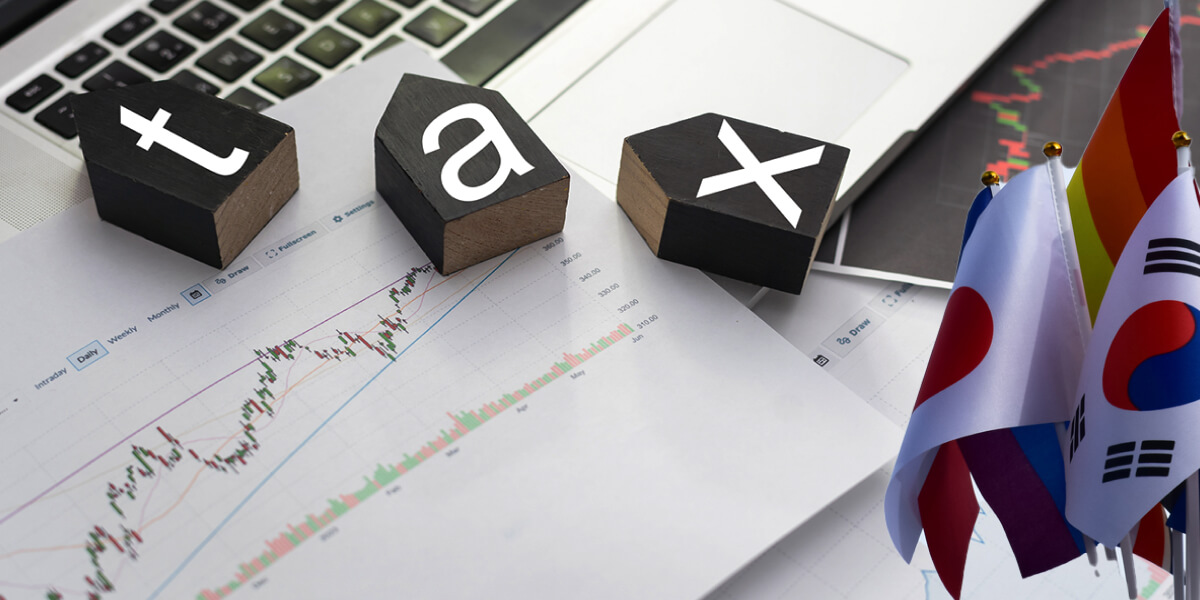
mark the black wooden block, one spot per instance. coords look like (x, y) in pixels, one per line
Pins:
(731, 197)
(465, 173)
(192, 172)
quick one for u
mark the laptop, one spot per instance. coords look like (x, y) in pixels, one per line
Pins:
(585, 73)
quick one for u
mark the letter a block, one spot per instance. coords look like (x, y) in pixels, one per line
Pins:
(464, 173)
(194, 173)
(731, 197)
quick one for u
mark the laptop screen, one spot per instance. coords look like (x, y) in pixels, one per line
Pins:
(18, 15)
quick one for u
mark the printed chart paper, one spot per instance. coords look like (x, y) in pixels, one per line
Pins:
(329, 417)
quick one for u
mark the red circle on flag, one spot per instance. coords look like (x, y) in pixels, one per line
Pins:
(1151, 363)
(962, 342)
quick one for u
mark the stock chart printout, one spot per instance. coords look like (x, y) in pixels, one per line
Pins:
(329, 417)
(1052, 82)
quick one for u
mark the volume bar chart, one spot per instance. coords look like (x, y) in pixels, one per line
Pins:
(462, 424)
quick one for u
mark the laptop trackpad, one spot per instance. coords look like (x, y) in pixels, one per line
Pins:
(757, 60)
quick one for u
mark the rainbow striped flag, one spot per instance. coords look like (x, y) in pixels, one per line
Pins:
(1129, 160)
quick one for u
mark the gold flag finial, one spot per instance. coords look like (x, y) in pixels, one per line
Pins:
(1052, 149)
(990, 178)
(1181, 139)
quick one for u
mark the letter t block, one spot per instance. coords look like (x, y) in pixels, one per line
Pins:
(197, 174)
(465, 173)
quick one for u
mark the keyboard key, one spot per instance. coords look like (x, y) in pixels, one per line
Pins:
(59, 117)
(248, 99)
(369, 17)
(328, 47)
(286, 77)
(193, 81)
(388, 42)
(167, 7)
(313, 9)
(130, 28)
(501, 40)
(434, 26)
(162, 51)
(229, 60)
(272, 30)
(115, 74)
(246, 5)
(82, 60)
(33, 93)
(205, 21)
(472, 7)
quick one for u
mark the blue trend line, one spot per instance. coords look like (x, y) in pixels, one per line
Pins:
(927, 574)
(287, 458)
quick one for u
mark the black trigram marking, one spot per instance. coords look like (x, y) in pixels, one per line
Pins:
(1172, 255)
(1078, 428)
(1151, 461)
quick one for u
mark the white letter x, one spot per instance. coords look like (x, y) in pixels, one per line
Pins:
(761, 173)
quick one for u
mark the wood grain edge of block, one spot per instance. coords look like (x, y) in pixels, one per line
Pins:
(824, 225)
(486, 233)
(244, 214)
(642, 199)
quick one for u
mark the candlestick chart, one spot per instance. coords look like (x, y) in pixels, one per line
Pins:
(164, 481)
(1051, 83)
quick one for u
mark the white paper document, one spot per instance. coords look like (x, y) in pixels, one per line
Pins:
(876, 337)
(330, 418)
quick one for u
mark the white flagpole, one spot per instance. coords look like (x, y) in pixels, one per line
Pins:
(1093, 557)
(1127, 566)
(1062, 210)
(1177, 563)
(1183, 151)
(1191, 572)
(1193, 538)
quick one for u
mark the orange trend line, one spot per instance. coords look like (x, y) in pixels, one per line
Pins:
(196, 477)
(46, 549)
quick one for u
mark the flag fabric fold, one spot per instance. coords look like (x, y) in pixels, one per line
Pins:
(1007, 355)
(1020, 473)
(1138, 392)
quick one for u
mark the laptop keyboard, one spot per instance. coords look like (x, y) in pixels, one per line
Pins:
(258, 52)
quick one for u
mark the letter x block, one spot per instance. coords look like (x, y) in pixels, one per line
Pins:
(731, 197)
(194, 173)
(464, 173)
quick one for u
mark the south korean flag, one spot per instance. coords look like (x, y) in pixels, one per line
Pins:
(1135, 434)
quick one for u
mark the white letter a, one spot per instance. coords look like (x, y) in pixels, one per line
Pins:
(493, 133)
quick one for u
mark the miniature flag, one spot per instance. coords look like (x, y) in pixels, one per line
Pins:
(1134, 439)
(1126, 164)
(1007, 355)
(981, 202)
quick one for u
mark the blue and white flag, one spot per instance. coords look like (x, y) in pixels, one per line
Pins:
(1134, 438)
